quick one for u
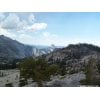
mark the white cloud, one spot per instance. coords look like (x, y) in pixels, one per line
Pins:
(27, 39)
(11, 22)
(14, 22)
(14, 27)
(32, 28)
(6, 33)
(37, 27)
(31, 18)
(22, 25)
(21, 36)
(46, 39)
(48, 35)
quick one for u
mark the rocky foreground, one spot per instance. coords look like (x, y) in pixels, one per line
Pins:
(63, 81)
(12, 76)
(9, 77)
(67, 80)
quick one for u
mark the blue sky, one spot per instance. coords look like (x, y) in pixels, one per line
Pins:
(48, 28)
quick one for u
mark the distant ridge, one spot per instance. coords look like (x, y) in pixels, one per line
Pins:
(11, 49)
(74, 56)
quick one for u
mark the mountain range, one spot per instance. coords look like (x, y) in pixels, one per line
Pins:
(72, 59)
(72, 55)
(11, 49)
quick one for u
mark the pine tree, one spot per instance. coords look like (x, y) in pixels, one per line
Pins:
(38, 70)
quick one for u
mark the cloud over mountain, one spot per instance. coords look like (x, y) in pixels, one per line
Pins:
(17, 26)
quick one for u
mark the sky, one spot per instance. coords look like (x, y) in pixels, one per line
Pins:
(46, 28)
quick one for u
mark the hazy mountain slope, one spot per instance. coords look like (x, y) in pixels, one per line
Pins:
(11, 49)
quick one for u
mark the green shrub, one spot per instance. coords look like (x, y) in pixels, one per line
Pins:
(39, 70)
